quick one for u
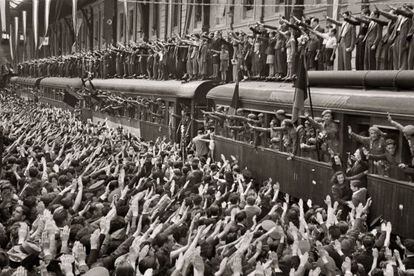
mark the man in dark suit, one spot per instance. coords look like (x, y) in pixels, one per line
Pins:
(360, 43)
(314, 23)
(346, 42)
(314, 47)
(410, 40)
(383, 58)
(372, 39)
(399, 36)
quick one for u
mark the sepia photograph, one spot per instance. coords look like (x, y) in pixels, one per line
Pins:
(213, 137)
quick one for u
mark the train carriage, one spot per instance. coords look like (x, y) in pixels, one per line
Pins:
(357, 101)
(162, 120)
(52, 90)
(24, 86)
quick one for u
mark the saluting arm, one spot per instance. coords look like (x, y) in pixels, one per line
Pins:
(388, 15)
(261, 129)
(333, 21)
(399, 126)
(379, 21)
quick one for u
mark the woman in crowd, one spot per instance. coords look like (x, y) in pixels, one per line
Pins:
(83, 199)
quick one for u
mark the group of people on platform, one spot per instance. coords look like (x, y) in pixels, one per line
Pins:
(383, 42)
(79, 198)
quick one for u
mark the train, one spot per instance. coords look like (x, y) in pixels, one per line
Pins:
(357, 99)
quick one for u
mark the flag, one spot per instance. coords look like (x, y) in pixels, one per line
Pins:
(11, 43)
(35, 19)
(301, 89)
(24, 16)
(4, 15)
(109, 14)
(47, 12)
(126, 21)
(16, 34)
(235, 101)
(74, 9)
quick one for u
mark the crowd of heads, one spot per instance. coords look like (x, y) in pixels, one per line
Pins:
(81, 198)
(383, 42)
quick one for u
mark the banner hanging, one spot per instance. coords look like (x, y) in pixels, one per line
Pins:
(16, 32)
(47, 12)
(3, 16)
(24, 19)
(74, 9)
(35, 21)
(126, 21)
(11, 44)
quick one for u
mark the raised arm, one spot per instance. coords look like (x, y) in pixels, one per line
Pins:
(388, 15)
(399, 126)
(333, 21)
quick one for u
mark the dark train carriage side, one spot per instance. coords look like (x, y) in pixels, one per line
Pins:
(52, 90)
(307, 178)
(174, 94)
(24, 86)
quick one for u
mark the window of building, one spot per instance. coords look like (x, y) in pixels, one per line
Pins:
(176, 14)
(278, 8)
(248, 7)
(220, 14)
(198, 12)
(121, 24)
(131, 23)
(155, 19)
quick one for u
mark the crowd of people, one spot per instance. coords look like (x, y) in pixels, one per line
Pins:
(79, 198)
(315, 138)
(267, 53)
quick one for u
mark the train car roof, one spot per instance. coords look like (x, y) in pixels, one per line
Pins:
(265, 96)
(24, 80)
(168, 88)
(55, 82)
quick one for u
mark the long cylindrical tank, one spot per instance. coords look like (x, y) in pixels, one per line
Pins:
(367, 79)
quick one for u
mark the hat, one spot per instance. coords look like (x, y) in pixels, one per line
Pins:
(408, 130)
(280, 112)
(97, 271)
(328, 111)
(260, 115)
(251, 116)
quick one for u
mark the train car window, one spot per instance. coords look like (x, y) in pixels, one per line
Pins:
(394, 153)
